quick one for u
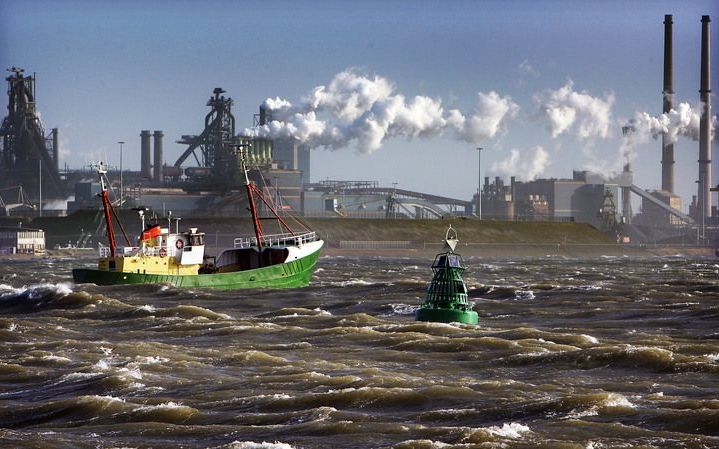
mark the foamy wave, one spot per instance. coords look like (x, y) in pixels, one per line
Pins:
(421, 444)
(354, 282)
(590, 287)
(170, 405)
(322, 312)
(7, 290)
(147, 308)
(402, 309)
(712, 357)
(574, 414)
(130, 373)
(524, 294)
(617, 400)
(103, 364)
(589, 338)
(56, 358)
(76, 376)
(512, 430)
(253, 445)
(36, 291)
(150, 360)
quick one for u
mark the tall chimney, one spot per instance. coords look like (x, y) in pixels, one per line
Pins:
(263, 116)
(668, 93)
(56, 149)
(158, 157)
(145, 159)
(626, 196)
(704, 197)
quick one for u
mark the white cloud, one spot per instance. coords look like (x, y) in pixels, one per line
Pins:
(564, 110)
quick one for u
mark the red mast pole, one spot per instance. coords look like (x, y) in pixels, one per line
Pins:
(251, 199)
(108, 221)
(255, 217)
(106, 207)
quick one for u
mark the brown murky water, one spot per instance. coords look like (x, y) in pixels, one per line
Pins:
(570, 353)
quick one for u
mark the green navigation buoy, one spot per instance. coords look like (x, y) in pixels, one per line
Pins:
(446, 300)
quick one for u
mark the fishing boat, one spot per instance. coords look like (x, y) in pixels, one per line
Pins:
(178, 258)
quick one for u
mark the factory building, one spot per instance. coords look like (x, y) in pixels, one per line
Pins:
(351, 199)
(652, 214)
(22, 241)
(292, 155)
(578, 199)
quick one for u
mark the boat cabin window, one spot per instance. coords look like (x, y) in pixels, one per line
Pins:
(197, 239)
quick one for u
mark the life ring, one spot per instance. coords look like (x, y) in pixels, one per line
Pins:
(163, 252)
(179, 244)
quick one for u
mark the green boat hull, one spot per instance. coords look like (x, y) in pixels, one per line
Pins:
(285, 275)
(447, 315)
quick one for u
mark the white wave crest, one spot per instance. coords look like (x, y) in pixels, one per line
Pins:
(253, 445)
(508, 430)
(524, 294)
(617, 400)
(589, 338)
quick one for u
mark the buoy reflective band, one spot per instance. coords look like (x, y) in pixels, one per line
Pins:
(179, 244)
(163, 253)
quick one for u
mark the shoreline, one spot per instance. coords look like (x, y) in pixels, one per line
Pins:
(493, 250)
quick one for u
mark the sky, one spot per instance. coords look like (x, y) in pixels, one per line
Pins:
(389, 91)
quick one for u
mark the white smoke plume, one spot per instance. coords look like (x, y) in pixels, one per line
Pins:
(486, 121)
(682, 121)
(526, 166)
(564, 110)
(364, 111)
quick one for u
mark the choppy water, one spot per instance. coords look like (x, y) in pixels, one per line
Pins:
(588, 354)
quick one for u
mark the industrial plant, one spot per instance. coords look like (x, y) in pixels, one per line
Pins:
(206, 178)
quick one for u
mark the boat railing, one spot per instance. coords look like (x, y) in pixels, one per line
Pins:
(124, 251)
(276, 240)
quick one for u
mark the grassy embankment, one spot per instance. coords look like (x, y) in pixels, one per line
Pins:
(494, 238)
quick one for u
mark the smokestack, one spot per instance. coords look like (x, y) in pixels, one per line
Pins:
(145, 160)
(668, 93)
(158, 157)
(626, 197)
(704, 197)
(263, 116)
(55, 149)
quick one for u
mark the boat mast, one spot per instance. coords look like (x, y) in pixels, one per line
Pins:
(251, 199)
(101, 171)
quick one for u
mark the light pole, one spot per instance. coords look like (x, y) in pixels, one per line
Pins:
(479, 183)
(121, 190)
(40, 185)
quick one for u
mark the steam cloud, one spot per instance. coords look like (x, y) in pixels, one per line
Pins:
(362, 110)
(527, 167)
(682, 121)
(565, 110)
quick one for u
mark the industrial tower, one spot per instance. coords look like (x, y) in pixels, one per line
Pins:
(27, 155)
